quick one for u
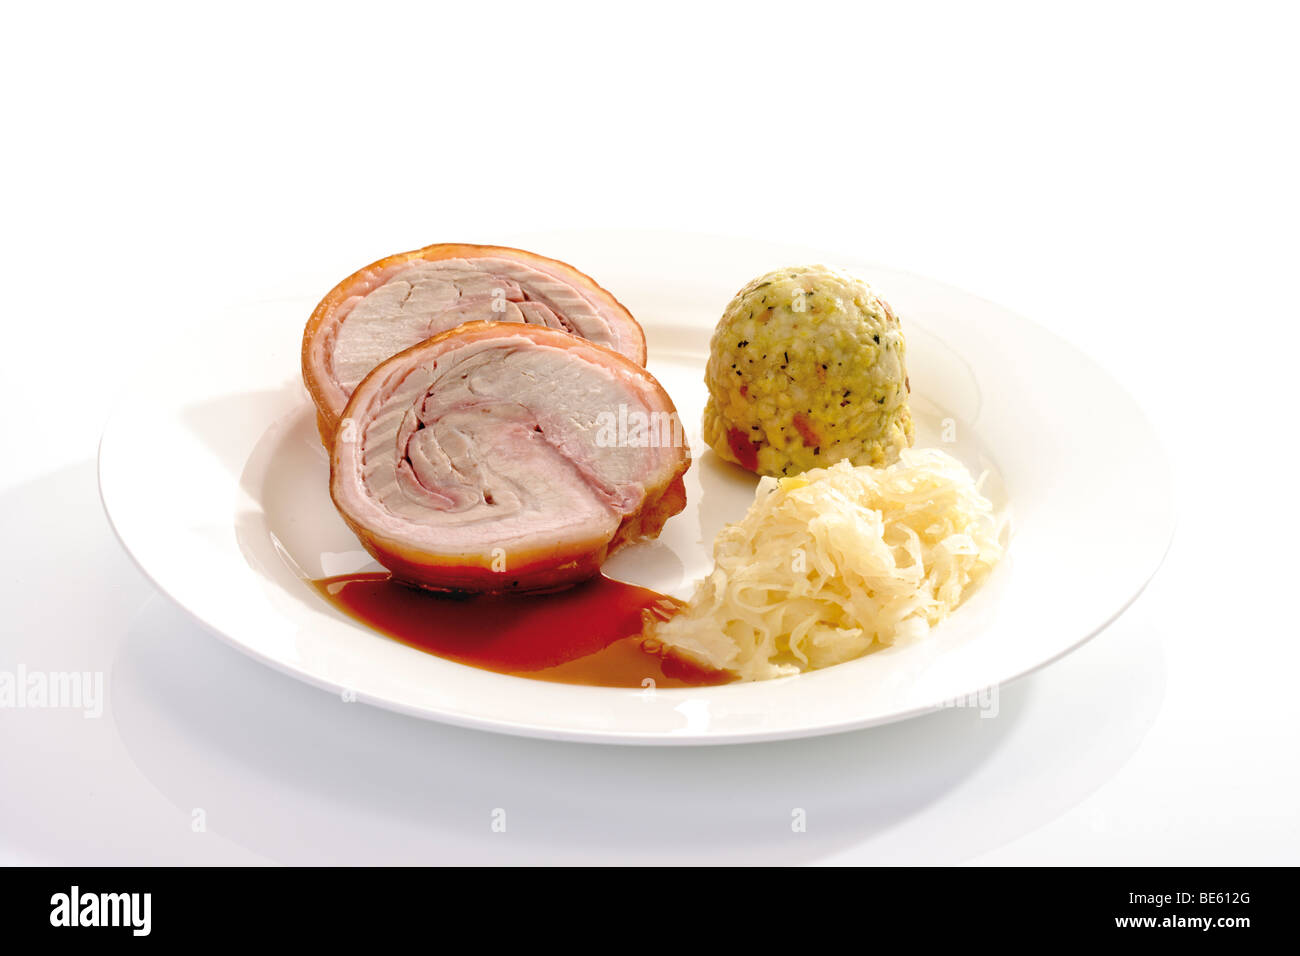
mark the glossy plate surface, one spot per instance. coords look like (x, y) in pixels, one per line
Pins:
(214, 480)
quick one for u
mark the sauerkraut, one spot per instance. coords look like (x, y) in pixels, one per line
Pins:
(834, 562)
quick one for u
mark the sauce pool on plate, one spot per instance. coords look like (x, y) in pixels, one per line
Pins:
(587, 634)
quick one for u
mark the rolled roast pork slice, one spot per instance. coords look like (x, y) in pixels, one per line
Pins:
(404, 299)
(506, 457)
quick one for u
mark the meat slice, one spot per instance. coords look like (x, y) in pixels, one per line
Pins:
(499, 457)
(404, 299)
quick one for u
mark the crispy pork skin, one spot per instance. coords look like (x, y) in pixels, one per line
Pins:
(506, 457)
(402, 300)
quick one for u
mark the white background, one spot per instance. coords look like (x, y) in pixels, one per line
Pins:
(1123, 174)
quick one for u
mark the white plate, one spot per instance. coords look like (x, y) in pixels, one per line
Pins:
(213, 478)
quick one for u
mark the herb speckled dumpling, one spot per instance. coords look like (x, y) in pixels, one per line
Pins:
(807, 367)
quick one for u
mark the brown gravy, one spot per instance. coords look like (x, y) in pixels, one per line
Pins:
(588, 634)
